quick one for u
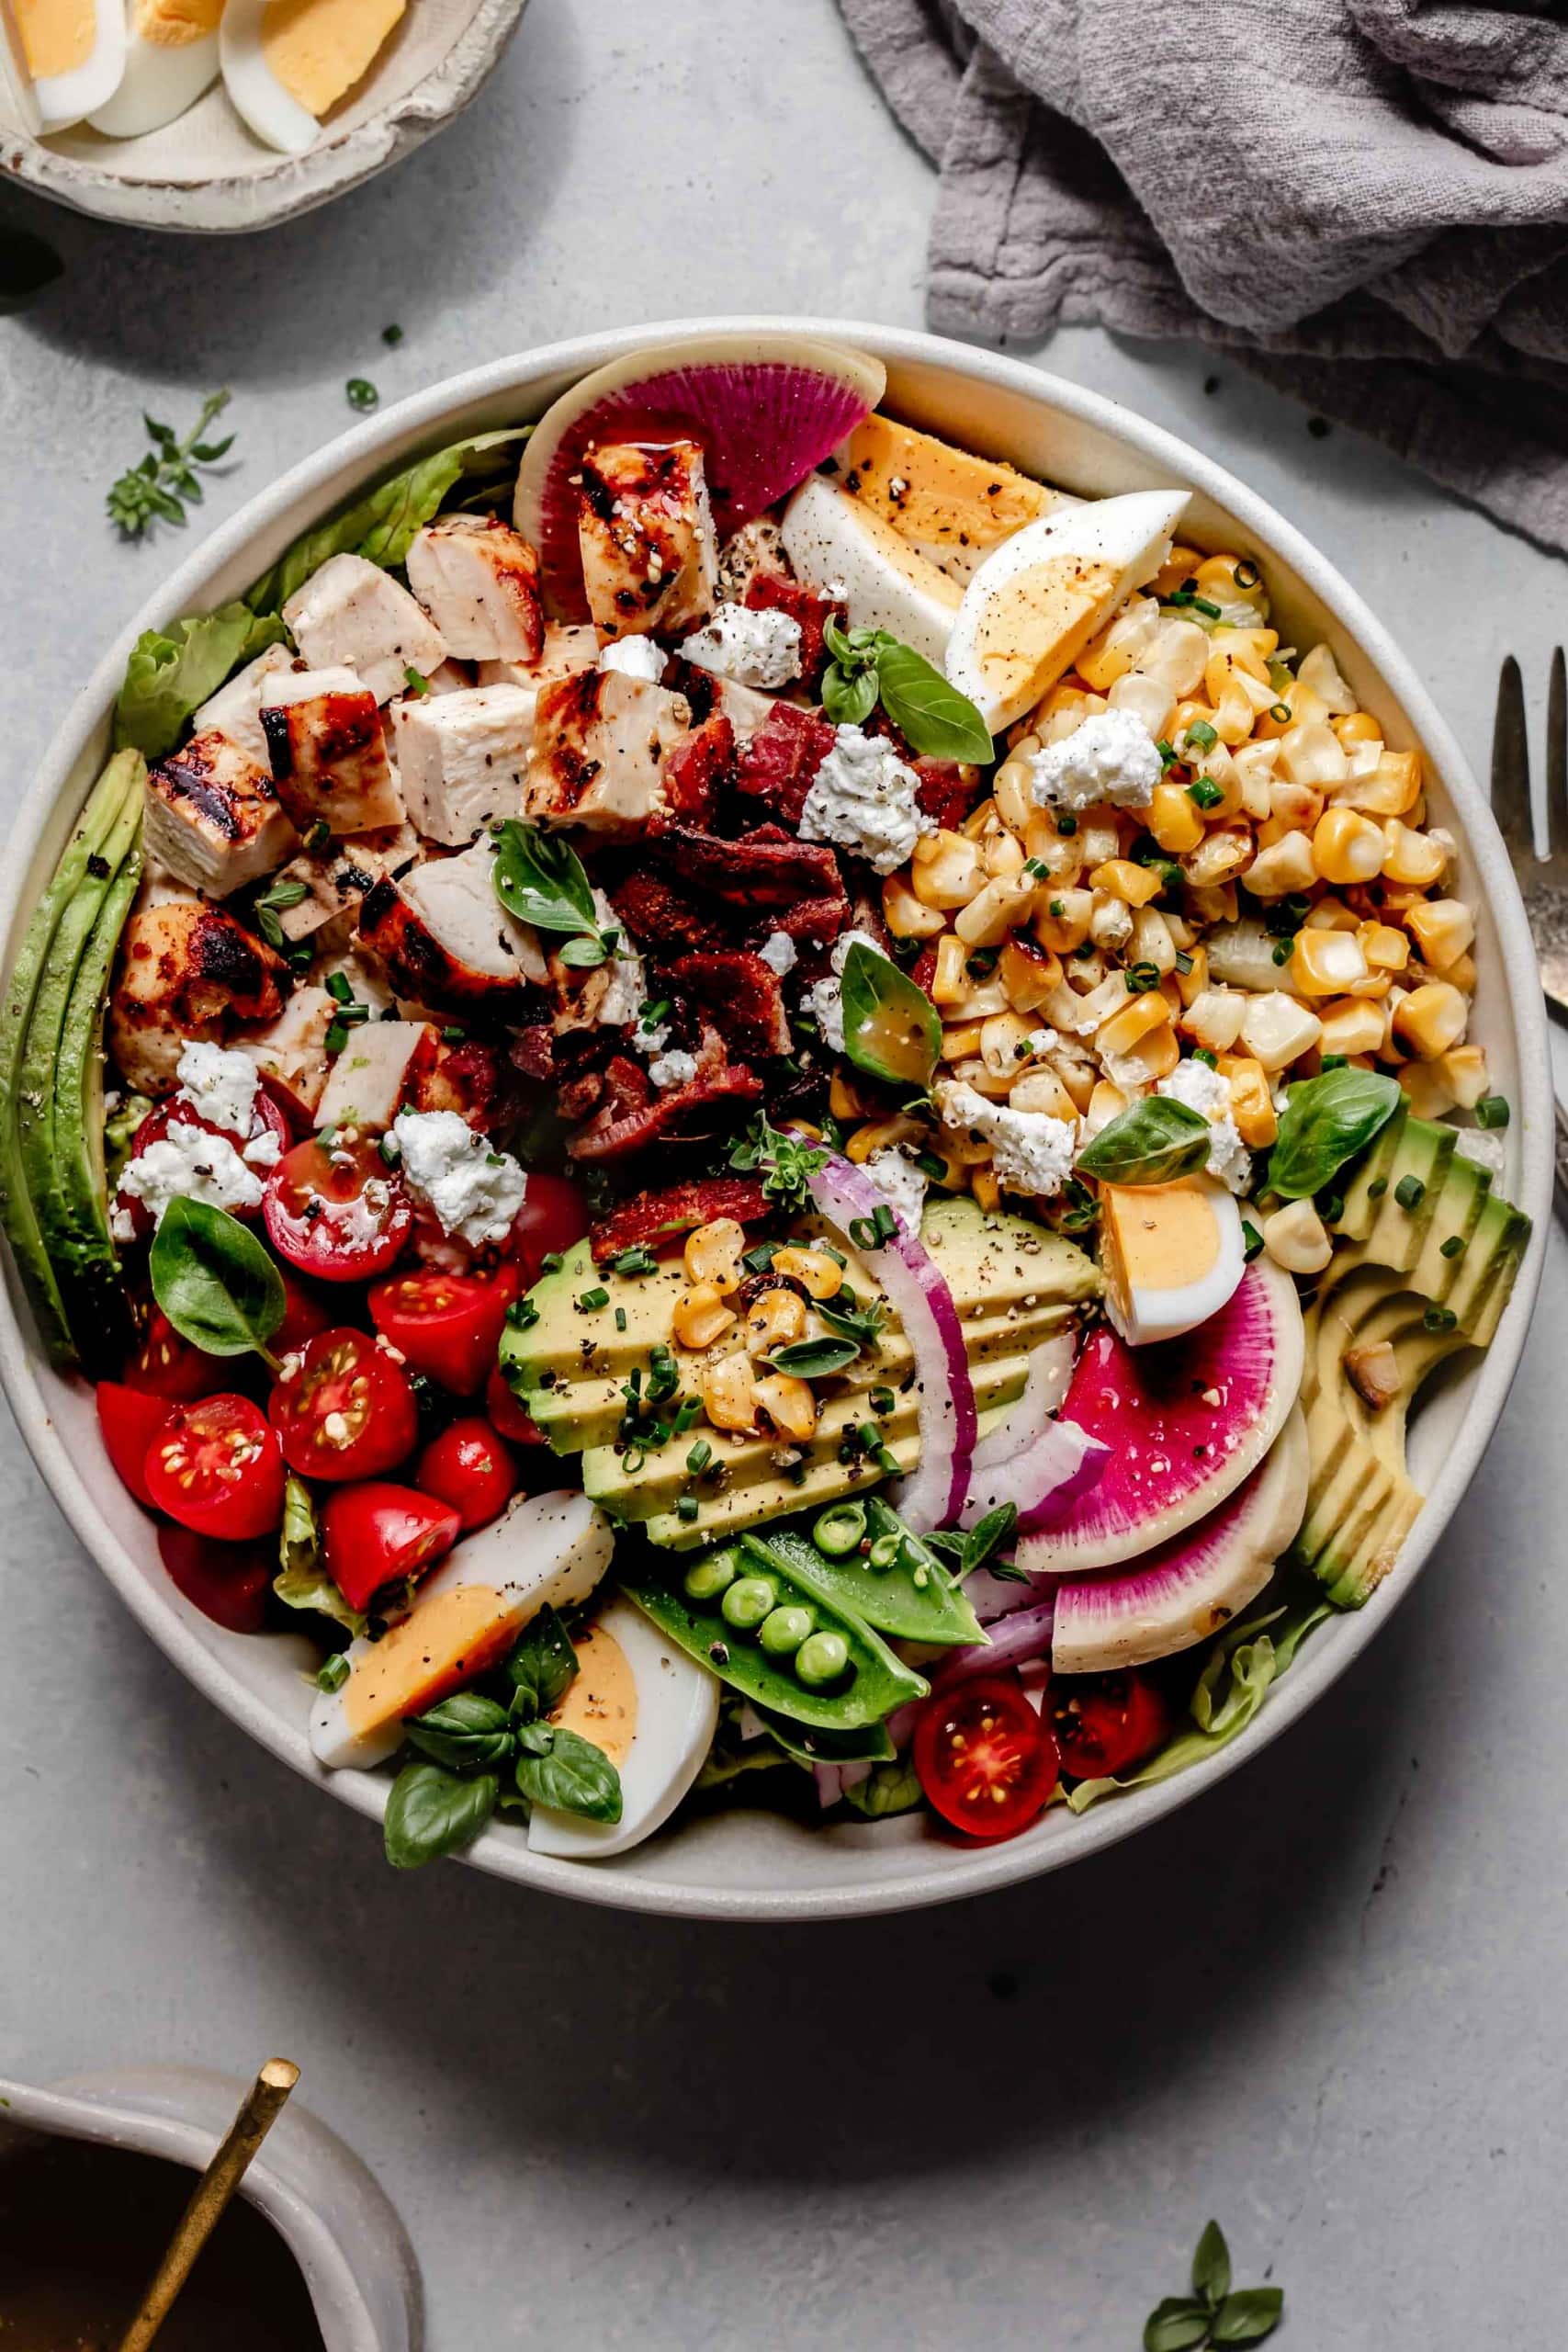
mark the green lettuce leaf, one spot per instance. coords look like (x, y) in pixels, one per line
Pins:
(302, 1581)
(170, 673)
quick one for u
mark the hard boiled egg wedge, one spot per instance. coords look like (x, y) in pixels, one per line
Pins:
(170, 57)
(67, 57)
(842, 548)
(1037, 600)
(288, 62)
(947, 504)
(1170, 1255)
(543, 1550)
(652, 1709)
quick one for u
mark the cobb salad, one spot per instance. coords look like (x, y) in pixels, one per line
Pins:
(762, 1114)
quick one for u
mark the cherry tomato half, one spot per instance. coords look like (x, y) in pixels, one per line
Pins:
(227, 1582)
(130, 1419)
(341, 1215)
(1106, 1723)
(553, 1215)
(984, 1758)
(446, 1325)
(155, 1126)
(374, 1532)
(215, 1468)
(346, 1411)
(507, 1415)
(469, 1467)
(167, 1365)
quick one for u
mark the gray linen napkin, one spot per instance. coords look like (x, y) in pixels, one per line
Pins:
(1366, 200)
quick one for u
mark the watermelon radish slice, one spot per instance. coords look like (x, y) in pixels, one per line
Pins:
(766, 409)
(1186, 1421)
(1194, 1585)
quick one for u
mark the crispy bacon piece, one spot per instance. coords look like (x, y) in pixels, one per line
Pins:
(613, 1131)
(771, 591)
(663, 1213)
(948, 790)
(656, 912)
(741, 996)
(759, 871)
(470, 1078)
(776, 767)
(696, 768)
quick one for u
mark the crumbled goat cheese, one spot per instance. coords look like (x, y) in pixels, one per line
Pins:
(675, 1069)
(779, 953)
(824, 999)
(185, 1163)
(220, 1086)
(475, 1192)
(865, 799)
(1111, 757)
(649, 1037)
(1031, 1151)
(901, 1184)
(626, 982)
(1204, 1090)
(265, 1149)
(750, 649)
(634, 656)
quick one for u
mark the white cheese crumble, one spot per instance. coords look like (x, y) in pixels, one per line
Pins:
(1111, 757)
(750, 649)
(185, 1163)
(901, 1184)
(779, 953)
(220, 1086)
(1204, 1090)
(675, 1069)
(865, 799)
(265, 1149)
(626, 982)
(634, 656)
(824, 999)
(1031, 1151)
(475, 1191)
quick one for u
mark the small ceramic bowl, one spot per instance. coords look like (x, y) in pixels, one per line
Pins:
(330, 2213)
(206, 170)
(753, 1864)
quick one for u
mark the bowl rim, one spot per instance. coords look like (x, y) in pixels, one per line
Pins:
(937, 1876)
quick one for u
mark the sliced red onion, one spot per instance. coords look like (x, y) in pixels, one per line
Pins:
(1052, 1474)
(933, 1494)
(991, 1597)
(1050, 1370)
(1014, 1641)
(833, 1779)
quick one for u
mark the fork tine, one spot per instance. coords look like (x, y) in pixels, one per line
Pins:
(1511, 764)
(1557, 756)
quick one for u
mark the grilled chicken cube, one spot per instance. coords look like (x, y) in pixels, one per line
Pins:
(353, 613)
(377, 1073)
(479, 580)
(445, 937)
(600, 743)
(462, 757)
(291, 1052)
(644, 527)
(568, 646)
(335, 878)
(235, 709)
(450, 678)
(185, 968)
(328, 756)
(213, 817)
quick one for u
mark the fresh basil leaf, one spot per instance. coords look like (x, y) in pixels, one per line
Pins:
(214, 1280)
(814, 1359)
(171, 671)
(849, 696)
(464, 1731)
(933, 716)
(539, 878)
(1212, 2264)
(573, 1777)
(1176, 2325)
(892, 1030)
(584, 955)
(543, 1667)
(989, 1536)
(1326, 1122)
(302, 1581)
(431, 1811)
(890, 1789)
(27, 266)
(1248, 2315)
(1154, 1141)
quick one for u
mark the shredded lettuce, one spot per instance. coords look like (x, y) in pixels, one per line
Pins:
(302, 1581)
(171, 673)
(889, 1789)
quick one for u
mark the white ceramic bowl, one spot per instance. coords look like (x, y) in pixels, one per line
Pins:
(206, 170)
(748, 1864)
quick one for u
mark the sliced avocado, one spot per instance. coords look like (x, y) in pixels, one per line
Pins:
(1370, 1183)
(1455, 1216)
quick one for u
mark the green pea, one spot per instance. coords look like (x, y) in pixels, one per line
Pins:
(705, 1579)
(840, 1530)
(748, 1601)
(883, 1552)
(782, 1633)
(821, 1660)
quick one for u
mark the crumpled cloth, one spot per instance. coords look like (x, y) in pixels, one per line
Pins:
(1365, 201)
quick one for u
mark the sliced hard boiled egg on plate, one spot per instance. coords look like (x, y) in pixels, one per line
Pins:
(950, 506)
(1172, 1256)
(652, 1709)
(1036, 601)
(288, 62)
(170, 57)
(67, 56)
(545, 1549)
(843, 548)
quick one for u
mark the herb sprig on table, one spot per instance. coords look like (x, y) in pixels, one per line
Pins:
(1214, 2312)
(157, 487)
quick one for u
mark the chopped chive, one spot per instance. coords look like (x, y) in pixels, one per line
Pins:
(1492, 1111)
(634, 1261)
(552, 1262)
(1336, 1061)
(1410, 1192)
(339, 987)
(1167, 753)
(334, 1673)
(361, 392)
(390, 1149)
(1439, 1318)
(593, 1298)
(620, 1318)
(1377, 1188)
(453, 1035)
(391, 335)
(700, 1456)
(1183, 961)
(1280, 712)
(1204, 792)
(337, 1037)
(686, 1508)
(1141, 978)
(1066, 825)
(1202, 1054)
(1283, 950)
(1454, 1246)
(1247, 574)
(1202, 735)
(929, 1165)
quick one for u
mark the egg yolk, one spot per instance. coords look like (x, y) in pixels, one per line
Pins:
(601, 1704)
(1155, 1237)
(320, 49)
(1038, 622)
(449, 1638)
(57, 35)
(174, 24)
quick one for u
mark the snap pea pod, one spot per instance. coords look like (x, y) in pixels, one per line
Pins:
(913, 1598)
(869, 1745)
(873, 1681)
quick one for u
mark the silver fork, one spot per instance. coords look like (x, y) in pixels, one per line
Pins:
(1543, 881)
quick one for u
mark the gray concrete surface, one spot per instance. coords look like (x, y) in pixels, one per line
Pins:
(1324, 2003)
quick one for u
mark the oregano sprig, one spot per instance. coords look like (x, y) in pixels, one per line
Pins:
(158, 487)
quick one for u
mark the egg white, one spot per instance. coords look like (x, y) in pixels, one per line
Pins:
(61, 99)
(676, 1713)
(159, 82)
(260, 99)
(835, 542)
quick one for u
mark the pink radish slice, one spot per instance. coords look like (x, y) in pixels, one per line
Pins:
(933, 1494)
(1194, 1585)
(1050, 1370)
(1185, 1420)
(1052, 1475)
(765, 408)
